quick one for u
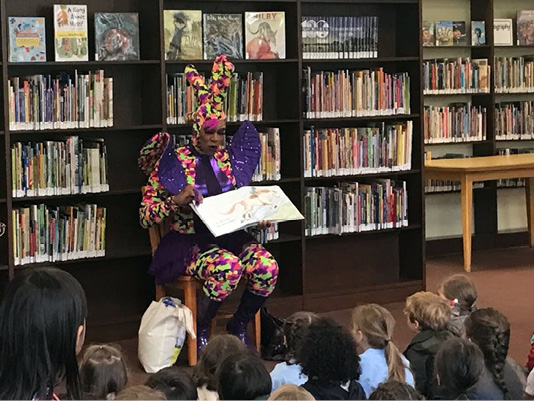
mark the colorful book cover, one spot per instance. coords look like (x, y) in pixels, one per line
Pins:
(223, 34)
(502, 32)
(525, 27)
(428, 33)
(444, 35)
(27, 39)
(182, 34)
(116, 36)
(459, 33)
(70, 32)
(265, 35)
(478, 33)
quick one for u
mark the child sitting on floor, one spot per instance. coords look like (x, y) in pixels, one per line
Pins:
(395, 390)
(460, 291)
(174, 382)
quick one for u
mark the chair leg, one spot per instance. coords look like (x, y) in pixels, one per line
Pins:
(191, 302)
(257, 331)
(160, 292)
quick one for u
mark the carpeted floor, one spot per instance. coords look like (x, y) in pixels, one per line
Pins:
(504, 278)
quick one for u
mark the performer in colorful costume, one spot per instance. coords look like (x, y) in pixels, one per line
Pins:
(203, 168)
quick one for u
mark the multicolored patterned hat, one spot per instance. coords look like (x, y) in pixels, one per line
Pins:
(210, 98)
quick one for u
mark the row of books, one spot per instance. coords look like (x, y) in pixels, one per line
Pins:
(269, 168)
(453, 33)
(243, 102)
(345, 37)
(72, 166)
(432, 186)
(356, 207)
(456, 75)
(330, 152)
(51, 234)
(459, 122)
(514, 121)
(265, 235)
(514, 74)
(65, 101)
(512, 182)
(361, 93)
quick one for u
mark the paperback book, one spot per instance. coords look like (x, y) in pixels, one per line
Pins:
(223, 34)
(265, 35)
(459, 33)
(502, 32)
(116, 36)
(245, 207)
(478, 33)
(525, 27)
(182, 34)
(70, 32)
(428, 34)
(444, 33)
(27, 39)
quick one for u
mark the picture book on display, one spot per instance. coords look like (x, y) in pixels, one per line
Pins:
(502, 32)
(223, 34)
(478, 33)
(265, 35)
(459, 33)
(116, 36)
(27, 39)
(525, 27)
(70, 32)
(444, 33)
(245, 207)
(182, 34)
(428, 33)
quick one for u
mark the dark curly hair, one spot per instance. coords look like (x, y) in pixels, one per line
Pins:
(294, 331)
(395, 390)
(328, 353)
(490, 330)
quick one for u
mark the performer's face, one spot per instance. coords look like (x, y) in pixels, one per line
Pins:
(211, 136)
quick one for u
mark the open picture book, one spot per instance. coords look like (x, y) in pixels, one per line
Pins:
(245, 207)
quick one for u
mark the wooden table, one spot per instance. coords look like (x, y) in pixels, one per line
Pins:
(484, 169)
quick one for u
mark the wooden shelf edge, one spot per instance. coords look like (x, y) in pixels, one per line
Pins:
(75, 131)
(368, 118)
(237, 123)
(91, 194)
(234, 61)
(4, 267)
(411, 227)
(460, 143)
(457, 94)
(458, 47)
(90, 63)
(282, 181)
(360, 60)
(285, 238)
(357, 176)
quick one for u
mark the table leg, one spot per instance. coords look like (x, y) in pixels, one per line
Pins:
(529, 187)
(467, 218)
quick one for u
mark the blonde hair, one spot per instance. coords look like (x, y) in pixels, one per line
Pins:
(376, 323)
(291, 392)
(140, 392)
(103, 372)
(429, 310)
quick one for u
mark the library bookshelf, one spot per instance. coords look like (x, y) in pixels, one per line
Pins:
(319, 273)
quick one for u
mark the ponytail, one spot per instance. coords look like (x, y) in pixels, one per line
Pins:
(396, 368)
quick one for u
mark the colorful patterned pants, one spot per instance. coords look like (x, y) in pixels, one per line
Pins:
(221, 270)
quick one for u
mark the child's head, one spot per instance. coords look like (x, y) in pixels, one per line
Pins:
(291, 392)
(103, 372)
(140, 393)
(42, 328)
(243, 376)
(174, 382)
(490, 330)
(459, 364)
(426, 310)
(460, 291)
(294, 330)
(373, 326)
(218, 348)
(395, 390)
(328, 353)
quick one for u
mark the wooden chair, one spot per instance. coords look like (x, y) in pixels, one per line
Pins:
(189, 285)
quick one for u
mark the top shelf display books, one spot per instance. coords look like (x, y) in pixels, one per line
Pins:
(182, 34)
(70, 32)
(116, 36)
(27, 39)
(265, 35)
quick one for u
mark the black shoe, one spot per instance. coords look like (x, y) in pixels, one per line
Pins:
(206, 311)
(247, 309)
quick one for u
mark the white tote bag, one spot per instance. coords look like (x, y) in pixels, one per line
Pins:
(162, 333)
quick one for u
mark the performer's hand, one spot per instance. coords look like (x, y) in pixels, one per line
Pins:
(187, 195)
(262, 225)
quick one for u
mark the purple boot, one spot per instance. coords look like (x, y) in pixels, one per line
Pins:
(206, 311)
(249, 306)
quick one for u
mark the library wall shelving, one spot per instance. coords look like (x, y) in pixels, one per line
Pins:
(320, 273)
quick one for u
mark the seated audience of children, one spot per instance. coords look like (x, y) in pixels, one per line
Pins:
(461, 293)
(380, 359)
(328, 357)
(290, 371)
(174, 382)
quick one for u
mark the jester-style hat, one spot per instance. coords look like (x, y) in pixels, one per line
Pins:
(210, 97)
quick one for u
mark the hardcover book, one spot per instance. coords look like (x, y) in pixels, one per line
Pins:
(27, 39)
(223, 34)
(116, 36)
(428, 33)
(502, 32)
(525, 27)
(70, 32)
(444, 34)
(459, 33)
(265, 35)
(478, 33)
(182, 34)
